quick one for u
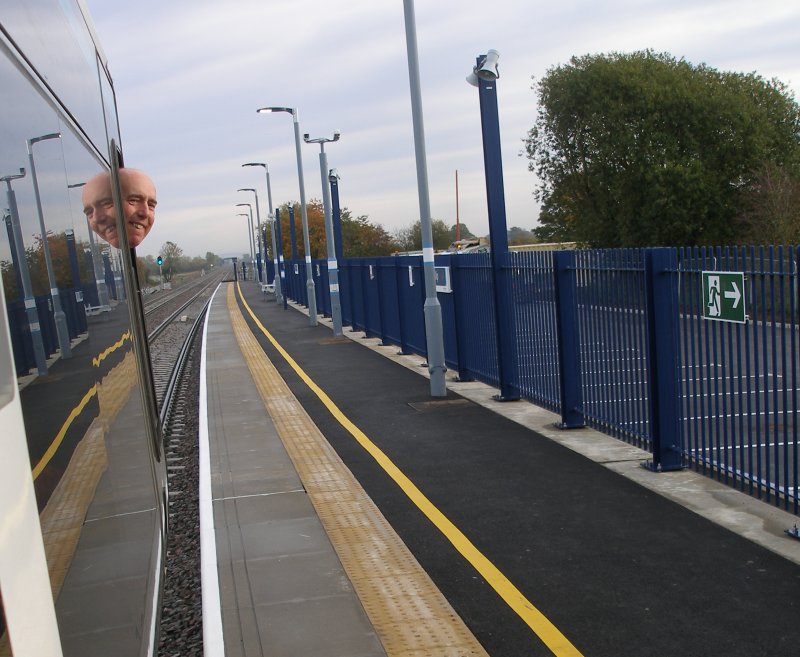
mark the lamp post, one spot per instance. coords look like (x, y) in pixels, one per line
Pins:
(275, 257)
(434, 331)
(25, 276)
(484, 76)
(250, 228)
(58, 313)
(333, 270)
(311, 292)
(259, 246)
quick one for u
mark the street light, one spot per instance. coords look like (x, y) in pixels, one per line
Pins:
(275, 257)
(310, 288)
(333, 270)
(434, 331)
(484, 76)
(259, 245)
(25, 276)
(58, 313)
(250, 228)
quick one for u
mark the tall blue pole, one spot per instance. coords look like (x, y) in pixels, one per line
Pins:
(295, 257)
(293, 232)
(337, 214)
(344, 271)
(498, 239)
(280, 275)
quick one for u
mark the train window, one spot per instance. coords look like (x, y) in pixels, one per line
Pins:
(54, 38)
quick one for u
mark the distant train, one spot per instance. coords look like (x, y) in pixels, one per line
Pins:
(82, 475)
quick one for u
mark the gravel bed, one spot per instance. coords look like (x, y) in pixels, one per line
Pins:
(181, 631)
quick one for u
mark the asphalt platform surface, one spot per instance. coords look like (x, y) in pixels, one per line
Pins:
(619, 569)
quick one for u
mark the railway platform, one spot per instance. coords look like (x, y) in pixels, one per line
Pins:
(350, 513)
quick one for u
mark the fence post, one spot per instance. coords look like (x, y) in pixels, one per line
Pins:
(458, 319)
(661, 285)
(569, 364)
(381, 313)
(400, 266)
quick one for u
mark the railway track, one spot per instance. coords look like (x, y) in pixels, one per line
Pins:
(172, 323)
(175, 357)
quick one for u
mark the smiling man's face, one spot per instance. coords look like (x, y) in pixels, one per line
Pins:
(138, 206)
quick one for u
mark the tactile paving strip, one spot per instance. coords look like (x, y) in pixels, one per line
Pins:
(409, 613)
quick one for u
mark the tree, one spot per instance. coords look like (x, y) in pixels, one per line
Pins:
(410, 237)
(644, 149)
(771, 213)
(463, 232)
(517, 236)
(316, 229)
(171, 253)
(363, 239)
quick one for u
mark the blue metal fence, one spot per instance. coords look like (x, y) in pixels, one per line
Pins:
(617, 340)
(740, 380)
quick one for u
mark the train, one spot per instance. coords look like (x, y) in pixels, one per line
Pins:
(83, 492)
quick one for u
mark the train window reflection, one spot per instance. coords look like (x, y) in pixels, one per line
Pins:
(74, 366)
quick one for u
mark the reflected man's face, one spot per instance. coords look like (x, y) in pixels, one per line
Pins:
(138, 206)
(98, 206)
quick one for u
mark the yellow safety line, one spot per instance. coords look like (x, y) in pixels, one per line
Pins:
(558, 644)
(104, 354)
(51, 451)
(63, 432)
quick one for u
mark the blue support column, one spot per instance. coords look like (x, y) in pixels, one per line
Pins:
(298, 296)
(663, 366)
(72, 252)
(281, 265)
(458, 318)
(337, 218)
(338, 244)
(111, 284)
(569, 363)
(401, 279)
(498, 237)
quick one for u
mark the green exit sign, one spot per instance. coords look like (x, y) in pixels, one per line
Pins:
(723, 296)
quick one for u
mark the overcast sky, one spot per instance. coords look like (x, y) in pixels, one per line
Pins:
(190, 74)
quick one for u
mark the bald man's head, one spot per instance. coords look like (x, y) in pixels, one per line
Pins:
(138, 205)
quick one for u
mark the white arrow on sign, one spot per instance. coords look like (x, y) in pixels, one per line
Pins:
(735, 295)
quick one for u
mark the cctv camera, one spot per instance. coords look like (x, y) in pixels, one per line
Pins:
(488, 69)
(306, 136)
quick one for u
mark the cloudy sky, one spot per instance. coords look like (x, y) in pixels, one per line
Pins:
(190, 74)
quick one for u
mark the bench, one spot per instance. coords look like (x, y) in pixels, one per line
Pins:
(96, 310)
